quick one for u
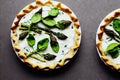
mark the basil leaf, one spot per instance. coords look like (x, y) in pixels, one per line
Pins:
(53, 12)
(113, 50)
(36, 18)
(31, 40)
(23, 35)
(54, 44)
(63, 24)
(49, 22)
(42, 44)
(60, 35)
(111, 46)
(116, 25)
(49, 56)
(114, 53)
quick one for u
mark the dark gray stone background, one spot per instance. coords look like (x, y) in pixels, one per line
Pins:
(86, 65)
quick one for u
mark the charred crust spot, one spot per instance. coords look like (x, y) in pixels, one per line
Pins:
(73, 18)
(31, 7)
(28, 64)
(108, 20)
(77, 25)
(66, 10)
(102, 27)
(16, 49)
(13, 27)
(26, 11)
(22, 57)
(117, 14)
(58, 5)
(19, 16)
(100, 36)
(39, 3)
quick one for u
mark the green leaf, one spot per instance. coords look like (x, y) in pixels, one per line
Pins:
(23, 35)
(113, 50)
(116, 25)
(111, 46)
(49, 22)
(49, 56)
(114, 53)
(36, 18)
(54, 44)
(63, 24)
(31, 40)
(53, 12)
(42, 44)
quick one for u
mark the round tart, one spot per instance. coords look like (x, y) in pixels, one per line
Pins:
(46, 34)
(108, 40)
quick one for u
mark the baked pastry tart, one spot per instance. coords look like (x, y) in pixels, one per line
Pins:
(46, 34)
(108, 40)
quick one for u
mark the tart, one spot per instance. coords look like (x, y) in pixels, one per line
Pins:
(46, 34)
(108, 40)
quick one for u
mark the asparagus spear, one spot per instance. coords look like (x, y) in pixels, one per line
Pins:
(112, 34)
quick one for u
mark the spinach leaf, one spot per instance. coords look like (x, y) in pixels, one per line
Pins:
(49, 22)
(49, 56)
(42, 44)
(23, 35)
(113, 50)
(54, 44)
(53, 12)
(114, 53)
(111, 46)
(63, 24)
(36, 18)
(116, 25)
(31, 40)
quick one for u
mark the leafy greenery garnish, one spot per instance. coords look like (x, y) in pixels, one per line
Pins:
(49, 22)
(116, 25)
(31, 40)
(42, 44)
(113, 50)
(53, 12)
(36, 18)
(54, 44)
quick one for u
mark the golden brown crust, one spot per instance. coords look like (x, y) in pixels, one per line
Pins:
(100, 32)
(29, 8)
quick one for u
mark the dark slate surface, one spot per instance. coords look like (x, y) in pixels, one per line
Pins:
(86, 65)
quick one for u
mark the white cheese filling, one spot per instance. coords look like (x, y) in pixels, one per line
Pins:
(65, 45)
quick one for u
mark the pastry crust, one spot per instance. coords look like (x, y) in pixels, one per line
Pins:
(108, 19)
(33, 6)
